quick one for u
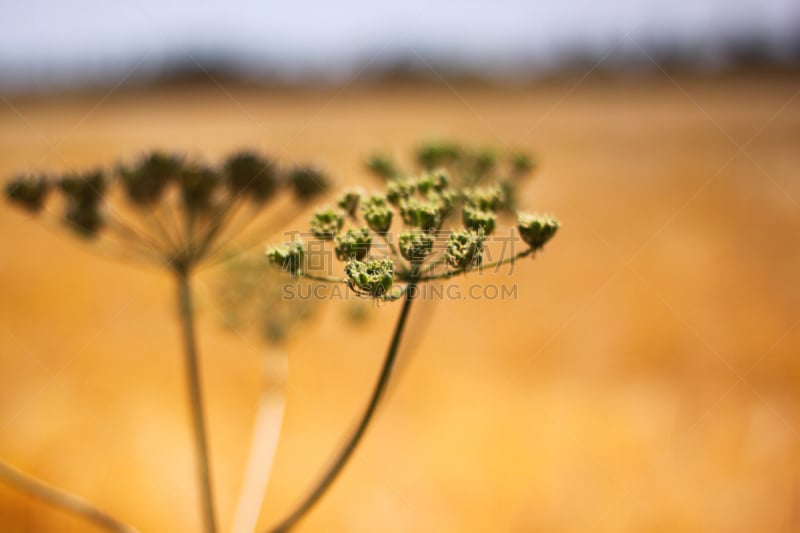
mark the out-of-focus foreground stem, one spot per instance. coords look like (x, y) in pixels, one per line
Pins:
(62, 499)
(196, 402)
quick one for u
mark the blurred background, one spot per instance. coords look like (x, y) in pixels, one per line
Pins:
(644, 380)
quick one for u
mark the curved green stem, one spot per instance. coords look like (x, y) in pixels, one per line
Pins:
(323, 279)
(350, 446)
(60, 498)
(196, 402)
(451, 273)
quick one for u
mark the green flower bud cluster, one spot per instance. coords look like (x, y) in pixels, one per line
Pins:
(537, 230)
(327, 223)
(287, 256)
(424, 204)
(399, 190)
(466, 167)
(28, 192)
(353, 244)
(377, 214)
(382, 166)
(415, 246)
(350, 201)
(373, 278)
(432, 182)
(489, 198)
(477, 219)
(438, 154)
(464, 249)
(423, 214)
(521, 163)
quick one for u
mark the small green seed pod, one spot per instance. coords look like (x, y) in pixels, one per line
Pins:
(373, 278)
(353, 244)
(483, 162)
(423, 214)
(489, 198)
(415, 246)
(445, 201)
(288, 256)
(327, 223)
(382, 166)
(436, 181)
(437, 154)
(478, 219)
(349, 201)
(536, 230)
(399, 190)
(521, 164)
(377, 214)
(464, 249)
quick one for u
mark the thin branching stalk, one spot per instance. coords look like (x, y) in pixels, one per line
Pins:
(61, 499)
(347, 450)
(196, 401)
(266, 431)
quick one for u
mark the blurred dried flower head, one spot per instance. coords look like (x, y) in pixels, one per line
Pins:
(166, 208)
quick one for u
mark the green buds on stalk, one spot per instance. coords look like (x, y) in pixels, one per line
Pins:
(373, 278)
(28, 192)
(287, 256)
(327, 223)
(464, 249)
(478, 219)
(489, 198)
(353, 244)
(433, 181)
(349, 202)
(536, 230)
(398, 190)
(415, 246)
(377, 214)
(382, 166)
(521, 164)
(423, 214)
(437, 154)
(474, 200)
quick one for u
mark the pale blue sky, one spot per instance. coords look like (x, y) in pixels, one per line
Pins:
(86, 39)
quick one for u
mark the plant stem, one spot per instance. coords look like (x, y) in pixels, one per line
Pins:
(450, 273)
(266, 430)
(196, 401)
(350, 446)
(60, 498)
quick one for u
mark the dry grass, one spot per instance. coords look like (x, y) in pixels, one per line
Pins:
(646, 379)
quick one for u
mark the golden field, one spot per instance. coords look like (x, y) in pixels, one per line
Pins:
(646, 379)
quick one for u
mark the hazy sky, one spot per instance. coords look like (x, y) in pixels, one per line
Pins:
(41, 39)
